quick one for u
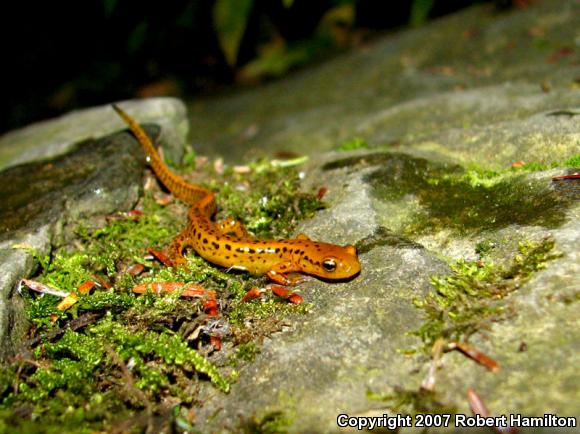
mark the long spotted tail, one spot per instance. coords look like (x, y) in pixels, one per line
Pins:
(180, 188)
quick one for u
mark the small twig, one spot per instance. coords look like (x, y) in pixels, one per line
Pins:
(474, 354)
(41, 288)
(478, 407)
(575, 175)
(436, 354)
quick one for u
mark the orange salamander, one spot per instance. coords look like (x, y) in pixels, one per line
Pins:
(227, 244)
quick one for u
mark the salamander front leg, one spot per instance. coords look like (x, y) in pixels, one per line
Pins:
(279, 274)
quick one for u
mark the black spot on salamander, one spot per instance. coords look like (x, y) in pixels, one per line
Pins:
(205, 241)
(199, 235)
(284, 249)
(215, 245)
(250, 250)
(227, 257)
(228, 247)
(277, 250)
(240, 249)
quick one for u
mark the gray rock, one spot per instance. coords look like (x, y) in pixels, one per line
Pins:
(57, 136)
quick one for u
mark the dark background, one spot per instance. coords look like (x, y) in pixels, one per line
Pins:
(66, 54)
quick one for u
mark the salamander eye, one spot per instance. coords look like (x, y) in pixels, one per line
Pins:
(329, 264)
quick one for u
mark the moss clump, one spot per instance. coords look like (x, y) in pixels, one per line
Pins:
(469, 299)
(535, 166)
(268, 308)
(473, 201)
(573, 161)
(247, 352)
(119, 356)
(267, 199)
(449, 197)
(484, 248)
(353, 144)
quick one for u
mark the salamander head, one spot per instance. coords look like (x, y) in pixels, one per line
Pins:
(332, 262)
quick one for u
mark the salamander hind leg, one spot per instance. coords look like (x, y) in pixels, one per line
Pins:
(178, 245)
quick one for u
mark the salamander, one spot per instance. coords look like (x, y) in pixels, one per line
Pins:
(226, 243)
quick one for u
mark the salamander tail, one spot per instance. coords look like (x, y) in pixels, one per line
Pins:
(175, 184)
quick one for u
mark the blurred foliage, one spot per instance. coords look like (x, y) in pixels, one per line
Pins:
(70, 54)
(230, 20)
(420, 11)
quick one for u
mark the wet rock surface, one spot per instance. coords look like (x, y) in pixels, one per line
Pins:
(35, 192)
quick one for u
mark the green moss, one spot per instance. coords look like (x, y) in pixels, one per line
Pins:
(573, 161)
(468, 203)
(469, 299)
(82, 366)
(535, 166)
(267, 199)
(115, 354)
(247, 352)
(485, 247)
(451, 198)
(125, 239)
(353, 144)
(170, 349)
(269, 308)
